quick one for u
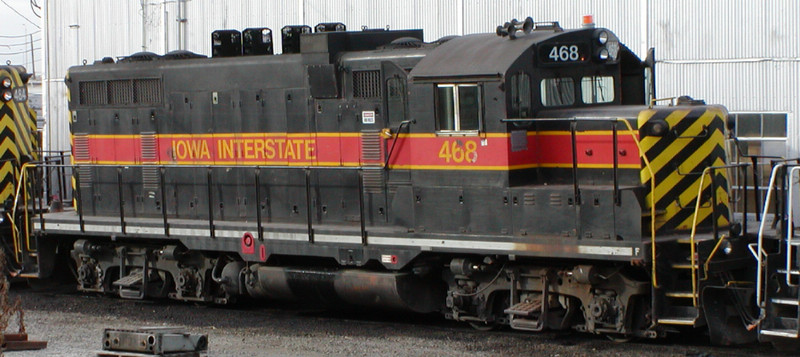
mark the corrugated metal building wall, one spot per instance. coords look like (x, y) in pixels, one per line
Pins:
(740, 53)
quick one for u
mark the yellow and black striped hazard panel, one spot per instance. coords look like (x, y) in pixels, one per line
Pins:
(695, 141)
(18, 138)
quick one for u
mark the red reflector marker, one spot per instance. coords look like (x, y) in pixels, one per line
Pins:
(247, 244)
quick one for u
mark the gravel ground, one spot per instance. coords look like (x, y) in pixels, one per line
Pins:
(73, 325)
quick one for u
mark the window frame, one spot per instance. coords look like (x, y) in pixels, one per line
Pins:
(457, 109)
(592, 81)
(543, 92)
(763, 164)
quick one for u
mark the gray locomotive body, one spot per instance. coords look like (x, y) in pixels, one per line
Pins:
(498, 179)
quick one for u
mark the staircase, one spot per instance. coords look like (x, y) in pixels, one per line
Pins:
(780, 270)
(679, 289)
(778, 281)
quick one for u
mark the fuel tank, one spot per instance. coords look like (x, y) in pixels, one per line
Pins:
(392, 290)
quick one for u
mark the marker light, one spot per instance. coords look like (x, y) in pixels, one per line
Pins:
(602, 37)
(7, 96)
(6, 82)
(603, 55)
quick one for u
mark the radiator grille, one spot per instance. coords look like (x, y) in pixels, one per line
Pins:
(93, 93)
(149, 147)
(371, 156)
(80, 144)
(147, 91)
(367, 84)
(120, 92)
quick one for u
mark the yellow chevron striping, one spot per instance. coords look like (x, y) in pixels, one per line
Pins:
(706, 212)
(672, 119)
(9, 145)
(665, 157)
(665, 160)
(687, 200)
(665, 185)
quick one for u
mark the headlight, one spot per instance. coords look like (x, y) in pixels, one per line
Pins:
(7, 95)
(603, 55)
(727, 247)
(602, 37)
(6, 82)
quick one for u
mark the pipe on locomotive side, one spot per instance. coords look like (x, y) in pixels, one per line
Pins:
(394, 290)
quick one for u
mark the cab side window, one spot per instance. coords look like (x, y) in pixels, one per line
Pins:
(458, 108)
(521, 95)
(558, 92)
(396, 99)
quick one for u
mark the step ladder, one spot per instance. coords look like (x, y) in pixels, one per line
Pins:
(680, 302)
(779, 305)
(132, 285)
(530, 315)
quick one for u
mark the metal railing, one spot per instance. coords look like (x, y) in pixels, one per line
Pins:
(29, 169)
(695, 263)
(615, 167)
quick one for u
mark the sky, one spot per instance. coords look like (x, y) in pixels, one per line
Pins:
(14, 27)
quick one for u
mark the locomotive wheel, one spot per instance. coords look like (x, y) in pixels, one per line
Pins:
(483, 326)
(785, 345)
(619, 338)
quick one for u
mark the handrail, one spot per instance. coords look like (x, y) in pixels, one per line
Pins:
(789, 227)
(712, 254)
(642, 155)
(759, 253)
(694, 259)
(14, 229)
(654, 276)
(257, 168)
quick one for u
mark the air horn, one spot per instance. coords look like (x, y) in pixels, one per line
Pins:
(510, 28)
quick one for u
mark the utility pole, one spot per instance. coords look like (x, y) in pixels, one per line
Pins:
(33, 58)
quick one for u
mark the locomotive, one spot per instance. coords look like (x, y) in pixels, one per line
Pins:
(521, 178)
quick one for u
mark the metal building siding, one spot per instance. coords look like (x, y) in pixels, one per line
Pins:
(486, 15)
(766, 86)
(725, 29)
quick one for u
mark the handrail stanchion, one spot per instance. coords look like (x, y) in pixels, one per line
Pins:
(617, 198)
(361, 207)
(307, 172)
(210, 201)
(121, 200)
(744, 198)
(573, 127)
(163, 187)
(41, 215)
(79, 199)
(760, 243)
(790, 227)
(260, 227)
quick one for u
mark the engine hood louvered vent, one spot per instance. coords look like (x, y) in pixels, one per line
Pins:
(141, 57)
(182, 54)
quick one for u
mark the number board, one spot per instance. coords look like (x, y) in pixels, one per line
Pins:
(563, 53)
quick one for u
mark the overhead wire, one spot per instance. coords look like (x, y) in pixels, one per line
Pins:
(34, 6)
(18, 53)
(20, 36)
(20, 14)
(27, 43)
